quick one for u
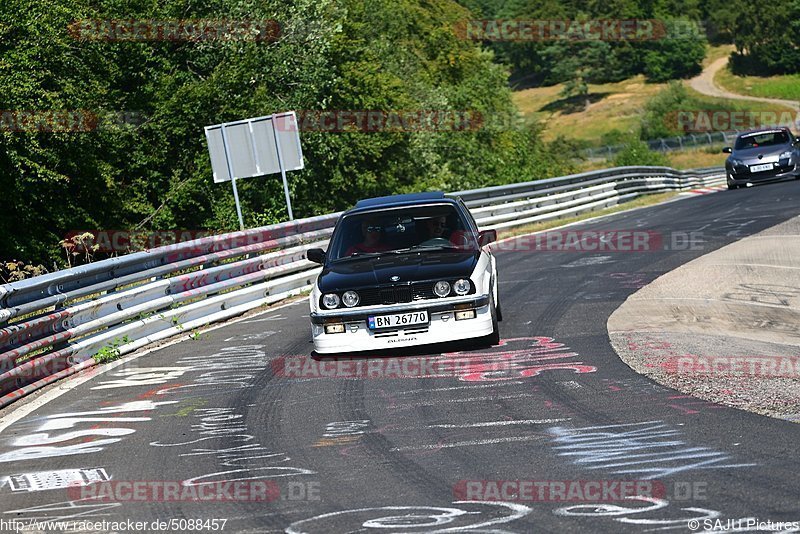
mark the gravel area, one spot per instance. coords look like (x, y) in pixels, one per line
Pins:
(725, 327)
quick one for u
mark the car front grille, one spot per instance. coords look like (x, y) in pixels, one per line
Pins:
(397, 294)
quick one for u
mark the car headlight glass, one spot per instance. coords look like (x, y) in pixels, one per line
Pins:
(350, 299)
(441, 288)
(735, 162)
(786, 155)
(330, 301)
(461, 287)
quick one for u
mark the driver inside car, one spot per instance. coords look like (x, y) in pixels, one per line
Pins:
(437, 227)
(371, 231)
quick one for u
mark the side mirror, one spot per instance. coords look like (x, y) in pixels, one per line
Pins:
(487, 236)
(728, 150)
(317, 255)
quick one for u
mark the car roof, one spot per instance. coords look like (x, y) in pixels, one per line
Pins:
(392, 201)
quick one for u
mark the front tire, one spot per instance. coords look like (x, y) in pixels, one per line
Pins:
(731, 185)
(494, 337)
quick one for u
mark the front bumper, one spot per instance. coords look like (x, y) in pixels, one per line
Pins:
(741, 175)
(442, 327)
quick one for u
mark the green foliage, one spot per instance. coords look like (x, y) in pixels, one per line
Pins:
(677, 56)
(766, 35)
(111, 351)
(662, 113)
(153, 173)
(614, 137)
(673, 49)
(636, 152)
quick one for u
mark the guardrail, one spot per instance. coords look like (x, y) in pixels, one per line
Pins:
(668, 144)
(52, 326)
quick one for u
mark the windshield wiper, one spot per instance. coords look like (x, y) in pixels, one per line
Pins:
(425, 247)
(359, 256)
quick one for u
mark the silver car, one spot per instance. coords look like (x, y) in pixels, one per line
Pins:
(761, 155)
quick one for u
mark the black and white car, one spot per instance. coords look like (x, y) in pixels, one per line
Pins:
(762, 155)
(404, 270)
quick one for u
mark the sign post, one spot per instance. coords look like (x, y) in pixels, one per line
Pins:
(255, 147)
(283, 176)
(233, 178)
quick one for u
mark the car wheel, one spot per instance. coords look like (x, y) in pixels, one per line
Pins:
(498, 307)
(731, 185)
(494, 337)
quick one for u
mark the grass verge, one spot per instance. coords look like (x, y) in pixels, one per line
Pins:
(786, 87)
(611, 106)
(618, 108)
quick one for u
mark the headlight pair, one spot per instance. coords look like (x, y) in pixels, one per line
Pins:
(332, 300)
(442, 288)
(460, 287)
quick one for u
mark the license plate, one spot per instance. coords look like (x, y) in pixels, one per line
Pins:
(759, 168)
(397, 320)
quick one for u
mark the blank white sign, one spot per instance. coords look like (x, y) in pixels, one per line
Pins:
(251, 146)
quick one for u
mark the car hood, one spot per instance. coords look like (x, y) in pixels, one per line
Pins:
(410, 267)
(755, 152)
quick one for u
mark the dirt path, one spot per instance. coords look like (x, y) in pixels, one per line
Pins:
(704, 83)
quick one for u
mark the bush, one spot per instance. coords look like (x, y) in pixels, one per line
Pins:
(636, 152)
(661, 113)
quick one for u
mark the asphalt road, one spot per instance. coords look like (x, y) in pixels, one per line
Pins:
(371, 446)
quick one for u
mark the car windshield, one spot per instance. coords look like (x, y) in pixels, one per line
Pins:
(762, 139)
(426, 228)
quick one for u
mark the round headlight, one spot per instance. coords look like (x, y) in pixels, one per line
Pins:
(441, 288)
(461, 287)
(350, 299)
(330, 301)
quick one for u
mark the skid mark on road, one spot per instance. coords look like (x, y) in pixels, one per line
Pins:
(648, 450)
